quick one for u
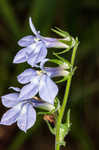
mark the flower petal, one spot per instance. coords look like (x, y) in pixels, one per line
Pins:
(47, 89)
(32, 26)
(26, 41)
(29, 90)
(20, 56)
(31, 48)
(15, 88)
(11, 115)
(26, 76)
(10, 100)
(38, 54)
(27, 117)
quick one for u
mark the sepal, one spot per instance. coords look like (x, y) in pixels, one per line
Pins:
(62, 33)
(63, 61)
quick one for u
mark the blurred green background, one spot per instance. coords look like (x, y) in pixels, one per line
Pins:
(80, 18)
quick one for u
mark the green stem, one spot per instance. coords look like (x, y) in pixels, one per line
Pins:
(60, 117)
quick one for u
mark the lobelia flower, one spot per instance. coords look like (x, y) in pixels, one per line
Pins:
(40, 81)
(37, 82)
(35, 47)
(21, 110)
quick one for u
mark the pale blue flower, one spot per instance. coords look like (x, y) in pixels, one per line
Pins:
(35, 47)
(21, 110)
(37, 81)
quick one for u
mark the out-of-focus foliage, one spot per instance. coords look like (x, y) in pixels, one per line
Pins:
(79, 18)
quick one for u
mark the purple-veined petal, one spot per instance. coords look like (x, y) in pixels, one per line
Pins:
(11, 115)
(47, 89)
(26, 76)
(10, 100)
(15, 88)
(20, 56)
(38, 54)
(27, 117)
(26, 41)
(29, 90)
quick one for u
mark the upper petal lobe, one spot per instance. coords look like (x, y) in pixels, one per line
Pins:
(29, 90)
(26, 76)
